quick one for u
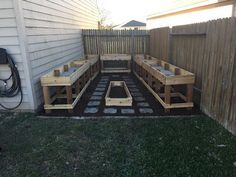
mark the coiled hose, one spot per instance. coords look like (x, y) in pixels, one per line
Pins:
(15, 87)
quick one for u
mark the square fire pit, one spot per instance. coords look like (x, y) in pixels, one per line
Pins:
(118, 94)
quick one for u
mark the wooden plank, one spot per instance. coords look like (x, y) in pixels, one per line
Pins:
(115, 41)
(46, 95)
(118, 101)
(81, 67)
(167, 96)
(189, 92)
(69, 97)
(184, 77)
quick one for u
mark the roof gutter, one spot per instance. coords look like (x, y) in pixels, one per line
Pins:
(203, 7)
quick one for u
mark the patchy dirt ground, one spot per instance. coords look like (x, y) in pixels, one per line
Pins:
(185, 146)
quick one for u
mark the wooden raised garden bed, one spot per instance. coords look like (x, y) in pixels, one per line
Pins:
(118, 94)
(68, 82)
(115, 63)
(165, 81)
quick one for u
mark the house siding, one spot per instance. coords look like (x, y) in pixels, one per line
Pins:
(53, 35)
(234, 10)
(53, 30)
(205, 13)
(10, 40)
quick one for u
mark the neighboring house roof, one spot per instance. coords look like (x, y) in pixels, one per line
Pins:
(183, 6)
(133, 23)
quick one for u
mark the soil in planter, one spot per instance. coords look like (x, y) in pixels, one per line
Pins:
(117, 92)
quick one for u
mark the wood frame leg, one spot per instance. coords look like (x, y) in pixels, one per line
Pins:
(69, 97)
(47, 99)
(102, 66)
(129, 64)
(167, 96)
(58, 90)
(149, 79)
(189, 94)
(77, 87)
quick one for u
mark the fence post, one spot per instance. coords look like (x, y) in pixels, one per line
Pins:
(170, 47)
(84, 42)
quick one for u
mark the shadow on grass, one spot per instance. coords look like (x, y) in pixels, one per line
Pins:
(196, 146)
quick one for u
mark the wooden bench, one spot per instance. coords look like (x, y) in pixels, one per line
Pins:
(163, 80)
(68, 82)
(115, 63)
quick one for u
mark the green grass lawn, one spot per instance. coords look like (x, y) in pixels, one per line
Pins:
(183, 147)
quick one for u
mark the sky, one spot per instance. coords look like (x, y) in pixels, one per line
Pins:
(122, 11)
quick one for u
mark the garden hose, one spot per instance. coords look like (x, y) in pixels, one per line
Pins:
(15, 87)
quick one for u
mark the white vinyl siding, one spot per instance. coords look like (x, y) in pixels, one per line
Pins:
(53, 30)
(9, 39)
(52, 35)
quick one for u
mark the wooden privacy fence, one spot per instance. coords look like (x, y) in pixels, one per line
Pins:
(159, 43)
(115, 41)
(208, 50)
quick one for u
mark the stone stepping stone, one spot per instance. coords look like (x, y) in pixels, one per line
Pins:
(94, 103)
(92, 110)
(129, 82)
(127, 111)
(100, 89)
(138, 94)
(115, 76)
(110, 111)
(143, 104)
(105, 80)
(101, 85)
(96, 98)
(98, 93)
(134, 90)
(132, 86)
(104, 76)
(139, 98)
(145, 110)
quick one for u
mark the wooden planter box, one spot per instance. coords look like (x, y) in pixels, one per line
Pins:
(115, 63)
(162, 79)
(69, 81)
(115, 97)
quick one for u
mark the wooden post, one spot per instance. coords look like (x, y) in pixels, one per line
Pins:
(58, 90)
(129, 64)
(167, 96)
(66, 68)
(189, 94)
(77, 86)
(149, 79)
(167, 66)
(84, 79)
(102, 66)
(155, 85)
(97, 66)
(69, 97)
(47, 100)
(177, 71)
(170, 46)
(56, 73)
